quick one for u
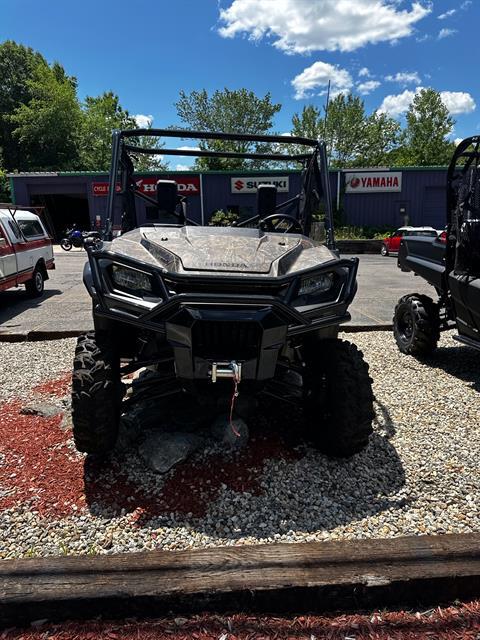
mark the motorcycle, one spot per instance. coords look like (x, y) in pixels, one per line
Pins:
(76, 238)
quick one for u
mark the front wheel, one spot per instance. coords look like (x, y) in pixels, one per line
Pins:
(65, 244)
(338, 404)
(384, 250)
(97, 393)
(416, 325)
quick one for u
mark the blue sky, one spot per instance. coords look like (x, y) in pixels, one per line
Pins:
(147, 51)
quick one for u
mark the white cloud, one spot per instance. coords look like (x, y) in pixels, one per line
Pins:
(404, 78)
(395, 105)
(455, 101)
(367, 87)
(457, 141)
(143, 121)
(447, 14)
(464, 6)
(458, 101)
(364, 72)
(445, 33)
(182, 167)
(317, 76)
(302, 26)
(188, 148)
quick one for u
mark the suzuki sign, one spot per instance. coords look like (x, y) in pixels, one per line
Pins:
(371, 181)
(187, 185)
(249, 185)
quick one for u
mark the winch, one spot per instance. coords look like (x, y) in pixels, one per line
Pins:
(230, 369)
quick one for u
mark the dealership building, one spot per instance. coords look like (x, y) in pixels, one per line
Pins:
(374, 197)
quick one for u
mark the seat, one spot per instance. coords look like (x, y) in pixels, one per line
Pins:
(266, 200)
(167, 197)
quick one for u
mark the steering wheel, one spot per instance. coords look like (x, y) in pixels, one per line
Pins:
(267, 224)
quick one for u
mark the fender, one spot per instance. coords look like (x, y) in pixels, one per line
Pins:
(88, 281)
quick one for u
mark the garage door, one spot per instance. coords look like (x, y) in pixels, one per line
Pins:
(434, 207)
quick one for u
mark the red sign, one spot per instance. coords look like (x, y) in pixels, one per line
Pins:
(187, 185)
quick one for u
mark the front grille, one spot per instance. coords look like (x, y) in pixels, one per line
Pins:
(227, 288)
(224, 340)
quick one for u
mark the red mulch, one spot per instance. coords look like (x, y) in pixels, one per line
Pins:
(44, 473)
(462, 621)
(38, 466)
(59, 387)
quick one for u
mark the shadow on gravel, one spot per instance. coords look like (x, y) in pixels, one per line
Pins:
(458, 361)
(275, 484)
(15, 302)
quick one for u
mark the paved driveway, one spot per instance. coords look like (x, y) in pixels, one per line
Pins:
(66, 304)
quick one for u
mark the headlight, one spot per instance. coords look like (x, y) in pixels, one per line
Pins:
(316, 284)
(131, 279)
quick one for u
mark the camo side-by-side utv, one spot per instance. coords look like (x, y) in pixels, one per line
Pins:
(450, 263)
(209, 307)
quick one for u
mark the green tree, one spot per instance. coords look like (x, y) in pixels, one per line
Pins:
(382, 135)
(4, 186)
(344, 130)
(144, 162)
(22, 72)
(352, 137)
(309, 123)
(46, 126)
(237, 111)
(101, 115)
(428, 127)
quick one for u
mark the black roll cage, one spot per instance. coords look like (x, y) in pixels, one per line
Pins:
(466, 156)
(315, 183)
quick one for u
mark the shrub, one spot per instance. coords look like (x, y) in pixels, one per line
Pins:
(223, 218)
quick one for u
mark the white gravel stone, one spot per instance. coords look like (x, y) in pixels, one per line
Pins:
(419, 474)
(26, 364)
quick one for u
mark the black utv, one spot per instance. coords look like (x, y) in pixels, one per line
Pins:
(450, 263)
(216, 311)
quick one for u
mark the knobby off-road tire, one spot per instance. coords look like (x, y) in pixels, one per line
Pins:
(416, 325)
(96, 394)
(339, 401)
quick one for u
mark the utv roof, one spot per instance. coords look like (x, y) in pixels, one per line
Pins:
(209, 135)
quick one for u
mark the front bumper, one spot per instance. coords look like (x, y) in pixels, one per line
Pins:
(206, 321)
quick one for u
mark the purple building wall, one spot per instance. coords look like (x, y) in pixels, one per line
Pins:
(422, 196)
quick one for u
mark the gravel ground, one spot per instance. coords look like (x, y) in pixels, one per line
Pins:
(419, 474)
(26, 364)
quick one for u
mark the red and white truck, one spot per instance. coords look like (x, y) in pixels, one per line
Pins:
(26, 251)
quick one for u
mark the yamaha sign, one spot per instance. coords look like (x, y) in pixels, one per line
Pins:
(249, 185)
(371, 181)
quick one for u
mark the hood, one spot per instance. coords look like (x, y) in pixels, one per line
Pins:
(222, 248)
(229, 250)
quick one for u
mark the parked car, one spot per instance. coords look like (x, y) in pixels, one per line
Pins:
(391, 244)
(26, 251)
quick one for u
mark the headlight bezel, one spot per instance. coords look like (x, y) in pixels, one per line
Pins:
(126, 279)
(316, 283)
(307, 300)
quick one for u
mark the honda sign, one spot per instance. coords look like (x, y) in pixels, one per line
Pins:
(187, 185)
